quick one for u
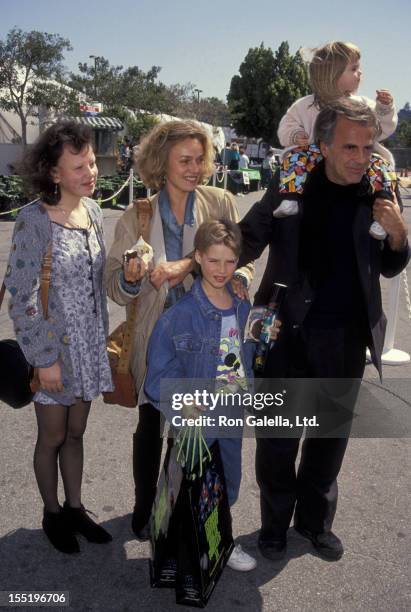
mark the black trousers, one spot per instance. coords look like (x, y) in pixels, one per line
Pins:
(147, 447)
(311, 490)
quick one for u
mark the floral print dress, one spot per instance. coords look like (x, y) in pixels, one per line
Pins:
(76, 275)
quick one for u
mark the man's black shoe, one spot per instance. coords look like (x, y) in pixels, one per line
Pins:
(273, 549)
(326, 543)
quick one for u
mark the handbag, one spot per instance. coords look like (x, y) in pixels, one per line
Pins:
(120, 341)
(18, 379)
(191, 527)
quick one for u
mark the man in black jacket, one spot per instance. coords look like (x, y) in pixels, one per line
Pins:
(331, 313)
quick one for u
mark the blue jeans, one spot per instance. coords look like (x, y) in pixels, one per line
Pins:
(230, 449)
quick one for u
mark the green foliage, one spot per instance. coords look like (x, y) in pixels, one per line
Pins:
(213, 111)
(31, 74)
(12, 193)
(139, 125)
(404, 133)
(117, 87)
(266, 86)
(105, 183)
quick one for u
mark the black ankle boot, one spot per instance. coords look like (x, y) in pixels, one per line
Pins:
(141, 533)
(146, 466)
(81, 523)
(59, 532)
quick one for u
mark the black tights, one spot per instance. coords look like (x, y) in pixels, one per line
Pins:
(147, 447)
(60, 435)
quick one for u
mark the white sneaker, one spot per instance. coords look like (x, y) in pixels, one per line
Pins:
(287, 208)
(241, 561)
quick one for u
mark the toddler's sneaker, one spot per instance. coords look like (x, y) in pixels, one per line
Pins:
(377, 231)
(241, 561)
(287, 208)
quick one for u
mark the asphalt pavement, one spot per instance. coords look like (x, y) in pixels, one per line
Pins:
(373, 517)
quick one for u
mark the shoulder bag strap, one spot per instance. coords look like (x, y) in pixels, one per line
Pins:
(2, 292)
(45, 276)
(144, 213)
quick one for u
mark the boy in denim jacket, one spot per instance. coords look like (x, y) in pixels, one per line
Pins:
(202, 337)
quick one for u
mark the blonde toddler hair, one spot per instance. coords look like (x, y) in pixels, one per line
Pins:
(326, 66)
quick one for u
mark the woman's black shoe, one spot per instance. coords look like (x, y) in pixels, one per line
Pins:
(81, 523)
(141, 533)
(59, 532)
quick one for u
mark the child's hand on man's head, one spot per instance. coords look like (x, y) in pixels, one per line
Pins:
(301, 139)
(384, 97)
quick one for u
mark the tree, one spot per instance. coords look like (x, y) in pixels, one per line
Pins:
(183, 103)
(139, 125)
(118, 88)
(214, 111)
(266, 86)
(99, 82)
(403, 133)
(31, 72)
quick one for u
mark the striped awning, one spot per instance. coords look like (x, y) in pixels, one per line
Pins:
(101, 123)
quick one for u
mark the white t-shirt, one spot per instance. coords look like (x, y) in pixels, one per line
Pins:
(244, 161)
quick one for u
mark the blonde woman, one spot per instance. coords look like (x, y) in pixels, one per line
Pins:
(176, 158)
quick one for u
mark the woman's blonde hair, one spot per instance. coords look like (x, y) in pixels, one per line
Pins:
(152, 156)
(326, 66)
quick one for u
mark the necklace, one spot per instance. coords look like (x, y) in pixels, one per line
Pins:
(68, 212)
(70, 222)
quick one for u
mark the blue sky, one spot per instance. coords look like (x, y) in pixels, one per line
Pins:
(205, 42)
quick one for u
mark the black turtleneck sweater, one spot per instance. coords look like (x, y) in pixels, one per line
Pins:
(327, 252)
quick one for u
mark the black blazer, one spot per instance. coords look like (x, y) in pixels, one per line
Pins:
(259, 229)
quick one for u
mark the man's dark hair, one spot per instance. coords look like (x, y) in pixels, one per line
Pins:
(354, 110)
(43, 156)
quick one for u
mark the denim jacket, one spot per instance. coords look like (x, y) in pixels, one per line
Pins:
(185, 342)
